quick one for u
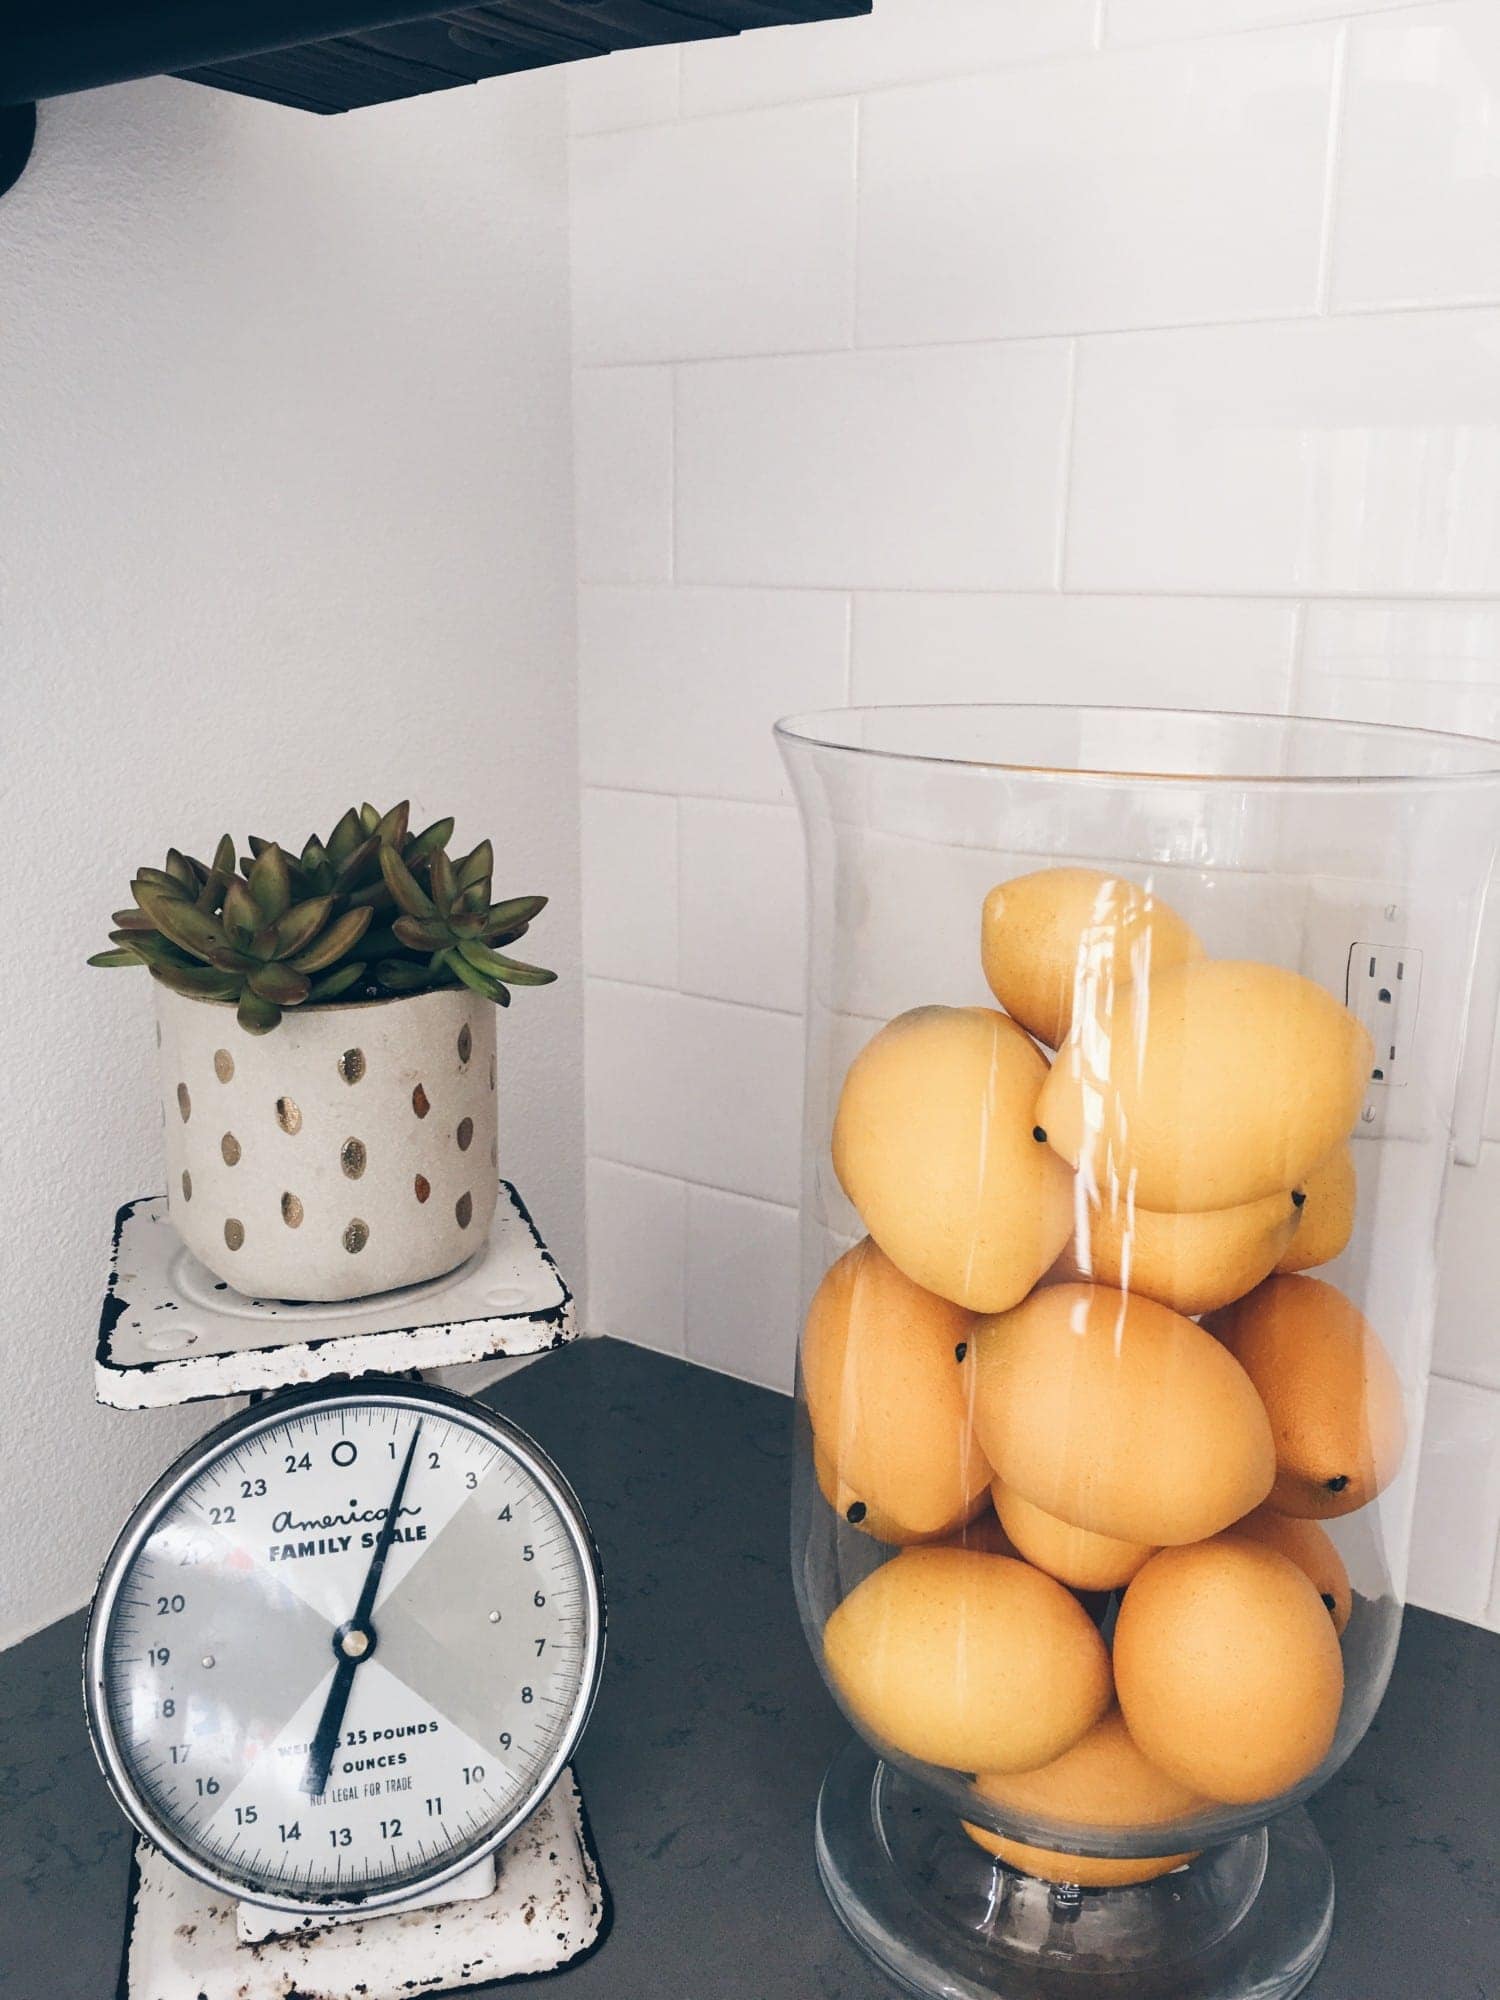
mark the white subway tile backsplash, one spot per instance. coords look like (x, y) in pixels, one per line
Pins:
(1465, 707)
(902, 41)
(1418, 198)
(630, 87)
(1409, 646)
(1327, 456)
(679, 689)
(980, 200)
(1458, 1502)
(694, 1088)
(742, 1284)
(630, 887)
(1184, 652)
(719, 236)
(1108, 376)
(933, 469)
(622, 474)
(1163, 20)
(741, 875)
(637, 1240)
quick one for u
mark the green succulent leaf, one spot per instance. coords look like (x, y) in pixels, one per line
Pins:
(181, 870)
(198, 982)
(335, 983)
(466, 926)
(150, 947)
(346, 836)
(184, 923)
(369, 819)
(124, 956)
(242, 913)
(399, 975)
(506, 934)
(342, 935)
(280, 984)
(228, 959)
(518, 910)
(392, 826)
(428, 842)
(442, 881)
(477, 867)
(408, 893)
(359, 867)
(495, 965)
(270, 883)
(422, 933)
(300, 926)
(474, 979)
(132, 920)
(158, 878)
(255, 1015)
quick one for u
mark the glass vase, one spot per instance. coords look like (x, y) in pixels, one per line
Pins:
(1133, 1040)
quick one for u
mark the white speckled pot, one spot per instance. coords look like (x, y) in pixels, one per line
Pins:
(351, 1150)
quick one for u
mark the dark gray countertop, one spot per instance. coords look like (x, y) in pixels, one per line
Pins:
(702, 1764)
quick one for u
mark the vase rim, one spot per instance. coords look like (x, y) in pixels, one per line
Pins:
(1150, 745)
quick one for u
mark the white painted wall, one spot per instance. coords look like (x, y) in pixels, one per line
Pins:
(285, 519)
(1130, 349)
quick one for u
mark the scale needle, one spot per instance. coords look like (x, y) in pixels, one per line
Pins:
(354, 1642)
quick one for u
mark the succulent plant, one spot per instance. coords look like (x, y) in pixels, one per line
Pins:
(371, 912)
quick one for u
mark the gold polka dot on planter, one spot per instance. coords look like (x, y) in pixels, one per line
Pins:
(423, 1187)
(229, 1146)
(465, 1043)
(353, 1158)
(419, 1102)
(291, 1211)
(352, 1065)
(184, 1102)
(234, 1233)
(288, 1117)
(223, 1065)
(465, 1134)
(356, 1236)
(187, 1185)
(463, 1209)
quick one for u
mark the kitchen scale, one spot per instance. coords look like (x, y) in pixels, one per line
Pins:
(342, 1651)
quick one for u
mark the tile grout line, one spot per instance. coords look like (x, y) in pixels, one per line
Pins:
(703, 999)
(1065, 467)
(687, 1184)
(673, 511)
(1332, 166)
(1098, 42)
(1393, 309)
(857, 263)
(1296, 678)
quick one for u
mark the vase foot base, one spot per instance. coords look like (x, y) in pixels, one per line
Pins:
(1247, 1921)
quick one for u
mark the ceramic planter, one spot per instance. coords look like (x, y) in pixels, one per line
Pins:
(351, 1150)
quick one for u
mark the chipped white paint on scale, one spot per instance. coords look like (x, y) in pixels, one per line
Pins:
(547, 1909)
(172, 1336)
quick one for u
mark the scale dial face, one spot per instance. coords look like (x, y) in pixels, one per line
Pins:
(344, 1647)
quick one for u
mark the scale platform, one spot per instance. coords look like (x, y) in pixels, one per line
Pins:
(546, 1910)
(170, 1332)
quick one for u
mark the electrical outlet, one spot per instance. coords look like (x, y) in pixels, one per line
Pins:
(1383, 988)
